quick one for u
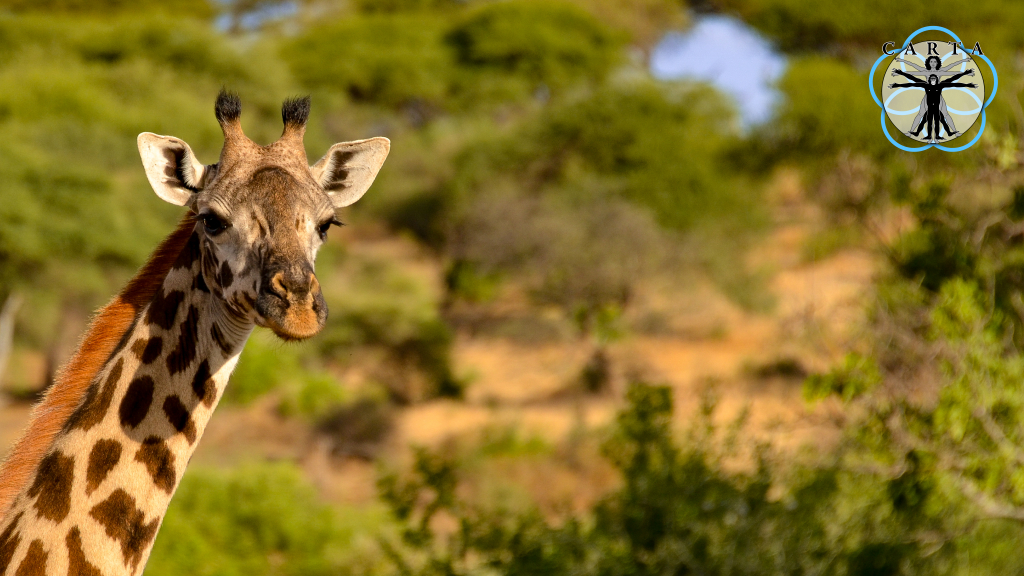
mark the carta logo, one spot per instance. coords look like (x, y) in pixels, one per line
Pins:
(932, 91)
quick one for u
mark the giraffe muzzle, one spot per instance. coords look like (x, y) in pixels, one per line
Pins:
(292, 304)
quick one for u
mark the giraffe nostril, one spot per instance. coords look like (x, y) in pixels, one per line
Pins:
(294, 286)
(277, 286)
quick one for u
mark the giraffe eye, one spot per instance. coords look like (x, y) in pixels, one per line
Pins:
(213, 224)
(322, 230)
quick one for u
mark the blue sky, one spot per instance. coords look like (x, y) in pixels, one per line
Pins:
(731, 56)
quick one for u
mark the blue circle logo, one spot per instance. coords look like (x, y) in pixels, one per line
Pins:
(932, 91)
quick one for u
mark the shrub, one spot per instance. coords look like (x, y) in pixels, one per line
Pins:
(804, 25)
(267, 364)
(402, 54)
(679, 511)
(193, 8)
(389, 59)
(576, 201)
(258, 519)
(314, 398)
(826, 108)
(547, 43)
(662, 147)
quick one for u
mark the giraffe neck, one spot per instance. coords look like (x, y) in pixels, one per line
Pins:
(100, 492)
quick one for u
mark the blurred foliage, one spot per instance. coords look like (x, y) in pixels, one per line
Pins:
(378, 306)
(268, 364)
(391, 6)
(643, 20)
(855, 377)
(348, 56)
(359, 428)
(495, 53)
(547, 43)
(191, 8)
(682, 510)
(935, 382)
(826, 109)
(255, 519)
(625, 140)
(261, 367)
(584, 200)
(530, 148)
(814, 25)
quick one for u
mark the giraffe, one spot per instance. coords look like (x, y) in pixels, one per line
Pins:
(85, 489)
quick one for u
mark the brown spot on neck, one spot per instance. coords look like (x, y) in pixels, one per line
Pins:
(221, 339)
(188, 333)
(136, 402)
(189, 254)
(203, 386)
(9, 541)
(159, 462)
(180, 417)
(105, 454)
(52, 486)
(164, 309)
(147, 350)
(126, 524)
(97, 402)
(77, 564)
(34, 563)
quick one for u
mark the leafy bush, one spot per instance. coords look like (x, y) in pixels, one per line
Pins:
(192, 8)
(400, 54)
(266, 365)
(317, 396)
(964, 238)
(679, 511)
(814, 25)
(582, 256)
(626, 140)
(936, 382)
(826, 108)
(389, 59)
(261, 368)
(371, 6)
(257, 519)
(581, 201)
(548, 43)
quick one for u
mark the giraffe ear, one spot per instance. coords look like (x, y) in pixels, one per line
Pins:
(173, 171)
(348, 169)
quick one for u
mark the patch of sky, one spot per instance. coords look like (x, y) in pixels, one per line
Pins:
(259, 14)
(729, 55)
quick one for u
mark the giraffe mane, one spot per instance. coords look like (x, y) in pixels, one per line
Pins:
(106, 329)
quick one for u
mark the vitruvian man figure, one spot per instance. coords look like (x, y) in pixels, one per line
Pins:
(933, 106)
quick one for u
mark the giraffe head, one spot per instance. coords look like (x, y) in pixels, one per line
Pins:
(263, 212)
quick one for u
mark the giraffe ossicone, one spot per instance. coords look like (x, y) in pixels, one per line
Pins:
(85, 489)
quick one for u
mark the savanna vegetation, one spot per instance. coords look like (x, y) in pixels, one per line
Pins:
(551, 184)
